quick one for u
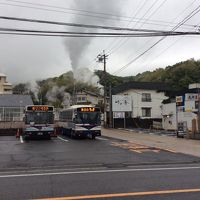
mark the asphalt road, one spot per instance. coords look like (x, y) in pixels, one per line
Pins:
(105, 167)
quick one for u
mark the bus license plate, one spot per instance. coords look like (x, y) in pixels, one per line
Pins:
(40, 133)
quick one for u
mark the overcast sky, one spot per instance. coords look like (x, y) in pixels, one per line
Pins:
(29, 58)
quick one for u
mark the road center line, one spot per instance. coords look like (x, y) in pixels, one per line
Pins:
(62, 139)
(95, 171)
(99, 196)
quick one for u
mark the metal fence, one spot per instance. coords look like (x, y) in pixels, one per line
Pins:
(9, 114)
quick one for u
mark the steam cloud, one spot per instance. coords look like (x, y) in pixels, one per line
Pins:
(58, 93)
(76, 47)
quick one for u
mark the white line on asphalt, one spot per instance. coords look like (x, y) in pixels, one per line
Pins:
(96, 171)
(100, 138)
(62, 139)
(21, 139)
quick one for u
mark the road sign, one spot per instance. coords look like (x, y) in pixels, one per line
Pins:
(121, 103)
(118, 115)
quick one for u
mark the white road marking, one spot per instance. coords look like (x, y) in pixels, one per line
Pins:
(62, 139)
(100, 138)
(21, 139)
(96, 171)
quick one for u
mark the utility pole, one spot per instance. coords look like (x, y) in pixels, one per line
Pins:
(102, 59)
(110, 106)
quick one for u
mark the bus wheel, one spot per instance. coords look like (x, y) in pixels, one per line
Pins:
(72, 134)
(25, 138)
(48, 137)
(93, 137)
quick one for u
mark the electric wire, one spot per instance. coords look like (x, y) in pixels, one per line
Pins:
(90, 34)
(126, 40)
(117, 42)
(194, 12)
(117, 17)
(179, 14)
(76, 24)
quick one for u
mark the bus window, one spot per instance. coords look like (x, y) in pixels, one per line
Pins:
(88, 118)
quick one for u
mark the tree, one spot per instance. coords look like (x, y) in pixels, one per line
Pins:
(21, 88)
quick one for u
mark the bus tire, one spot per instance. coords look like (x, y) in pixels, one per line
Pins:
(25, 137)
(48, 137)
(93, 137)
(72, 134)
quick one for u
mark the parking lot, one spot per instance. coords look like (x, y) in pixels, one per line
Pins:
(69, 167)
(66, 152)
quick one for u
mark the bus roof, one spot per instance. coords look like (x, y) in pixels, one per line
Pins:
(80, 106)
(74, 107)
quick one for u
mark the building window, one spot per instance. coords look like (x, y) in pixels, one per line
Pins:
(146, 97)
(84, 99)
(146, 112)
(79, 99)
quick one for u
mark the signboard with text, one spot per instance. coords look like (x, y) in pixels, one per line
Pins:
(118, 115)
(121, 103)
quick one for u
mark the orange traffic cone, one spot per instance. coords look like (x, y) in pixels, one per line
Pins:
(17, 134)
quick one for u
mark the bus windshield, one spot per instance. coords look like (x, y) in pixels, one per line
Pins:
(39, 117)
(88, 118)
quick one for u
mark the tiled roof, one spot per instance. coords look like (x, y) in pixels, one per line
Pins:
(90, 93)
(15, 100)
(140, 85)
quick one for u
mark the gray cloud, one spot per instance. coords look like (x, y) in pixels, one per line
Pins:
(25, 58)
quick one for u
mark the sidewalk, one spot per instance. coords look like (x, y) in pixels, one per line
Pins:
(180, 145)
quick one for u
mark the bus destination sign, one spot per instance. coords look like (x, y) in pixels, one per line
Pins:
(40, 108)
(88, 109)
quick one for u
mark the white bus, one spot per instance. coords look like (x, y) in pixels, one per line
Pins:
(39, 122)
(80, 121)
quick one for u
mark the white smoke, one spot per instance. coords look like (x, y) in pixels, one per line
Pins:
(58, 93)
(76, 47)
(85, 75)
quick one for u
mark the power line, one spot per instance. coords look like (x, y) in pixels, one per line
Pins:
(172, 22)
(90, 34)
(114, 44)
(126, 40)
(76, 24)
(194, 12)
(122, 18)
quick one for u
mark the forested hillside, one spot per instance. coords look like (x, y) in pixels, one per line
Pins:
(58, 89)
(178, 76)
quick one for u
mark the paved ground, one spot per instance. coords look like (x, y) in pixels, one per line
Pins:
(181, 145)
(118, 165)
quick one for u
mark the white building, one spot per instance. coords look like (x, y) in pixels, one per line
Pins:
(5, 87)
(87, 97)
(184, 113)
(146, 101)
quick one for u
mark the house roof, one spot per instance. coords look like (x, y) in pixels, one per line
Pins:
(10, 84)
(15, 100)
(140, 85)
(91, 93)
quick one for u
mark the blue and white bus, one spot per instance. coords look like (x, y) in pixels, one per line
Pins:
(80, 121)
(38, 122)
